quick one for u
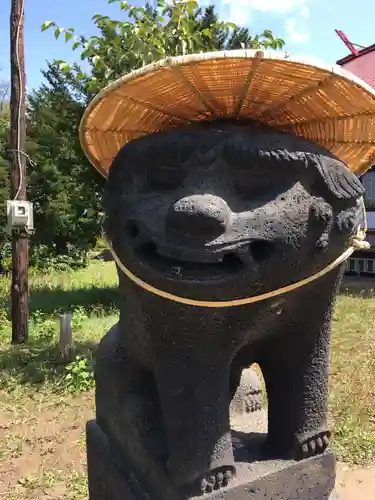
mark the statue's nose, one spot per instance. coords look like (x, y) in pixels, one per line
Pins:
(199, 216)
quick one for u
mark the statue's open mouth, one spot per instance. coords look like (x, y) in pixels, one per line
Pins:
(176, 264)
(184, 259)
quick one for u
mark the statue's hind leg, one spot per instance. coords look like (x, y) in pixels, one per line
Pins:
(245, 385)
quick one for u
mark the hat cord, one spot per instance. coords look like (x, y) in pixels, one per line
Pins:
(358, 243)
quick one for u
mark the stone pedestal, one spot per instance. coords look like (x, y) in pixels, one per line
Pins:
(258, 477)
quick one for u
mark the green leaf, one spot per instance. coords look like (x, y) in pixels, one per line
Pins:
(96, 60)
(207, 33)
(46, 25)
(68, 36)
(58, 32)
(267, 33)
(107, 73)
(65, 67)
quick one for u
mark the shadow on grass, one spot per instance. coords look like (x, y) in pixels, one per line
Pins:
(38, 363)
(361, 287)
(57, 300)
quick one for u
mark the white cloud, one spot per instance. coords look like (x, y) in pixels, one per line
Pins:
(242, 11)
(304, 12)
(270, 6)
(294, 33)
(238, 13)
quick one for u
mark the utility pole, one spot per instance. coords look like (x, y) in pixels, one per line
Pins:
(20, 242)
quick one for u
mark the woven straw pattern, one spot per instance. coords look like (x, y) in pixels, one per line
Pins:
(327, 105)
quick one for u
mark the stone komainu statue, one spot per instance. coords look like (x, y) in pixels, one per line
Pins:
(222, 212)
(215, 212)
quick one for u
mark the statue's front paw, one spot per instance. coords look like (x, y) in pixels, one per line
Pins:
(216, 479)
(314, 444)
(201, 481)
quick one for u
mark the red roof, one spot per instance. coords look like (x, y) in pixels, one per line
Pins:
(361, 65)
(360, 53)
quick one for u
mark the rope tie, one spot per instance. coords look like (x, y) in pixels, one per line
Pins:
(358, 243)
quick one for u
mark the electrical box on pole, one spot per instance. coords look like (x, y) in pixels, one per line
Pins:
(20, 216)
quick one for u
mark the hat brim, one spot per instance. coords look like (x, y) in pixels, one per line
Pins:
(327, 105)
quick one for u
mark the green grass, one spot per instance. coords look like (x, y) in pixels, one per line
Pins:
(352, 395)
(90, 294)
(44, 402)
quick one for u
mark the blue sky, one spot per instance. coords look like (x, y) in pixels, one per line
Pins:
(306, 25)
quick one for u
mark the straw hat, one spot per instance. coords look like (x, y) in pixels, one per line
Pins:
(327, 105)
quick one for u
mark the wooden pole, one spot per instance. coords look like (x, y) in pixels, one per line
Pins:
(20, 243)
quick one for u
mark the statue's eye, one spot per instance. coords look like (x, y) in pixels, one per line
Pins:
(165, 177)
